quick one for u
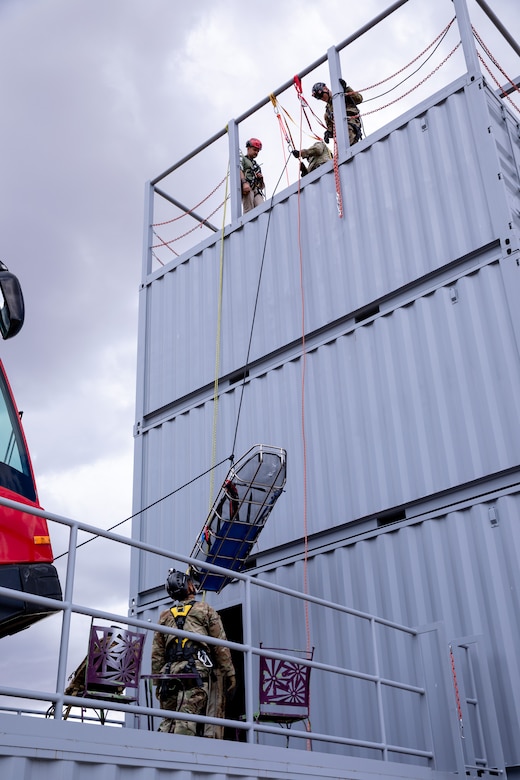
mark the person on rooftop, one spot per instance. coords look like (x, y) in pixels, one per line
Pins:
(251, 178)
(320, 91)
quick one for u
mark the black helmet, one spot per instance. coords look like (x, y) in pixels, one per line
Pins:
(318, 89)
(177, 584)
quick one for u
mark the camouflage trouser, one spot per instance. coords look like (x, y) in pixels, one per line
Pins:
(354, 131)
(192, 701)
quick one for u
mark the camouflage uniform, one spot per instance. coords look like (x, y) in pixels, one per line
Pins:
(207, 699)
(253, 175)
(317, 154)
(353, 119)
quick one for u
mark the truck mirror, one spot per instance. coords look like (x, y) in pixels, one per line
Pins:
(12, 308)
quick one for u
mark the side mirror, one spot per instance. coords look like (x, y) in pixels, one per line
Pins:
(12, 308)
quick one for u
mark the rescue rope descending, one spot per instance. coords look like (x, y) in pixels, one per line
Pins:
(217, 346)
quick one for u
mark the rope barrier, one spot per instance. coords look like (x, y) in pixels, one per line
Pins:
(187, 213)
(497, 65)
(187, 233)
(405, 94)
(388, 78)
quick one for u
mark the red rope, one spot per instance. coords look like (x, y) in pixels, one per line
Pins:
(457, 695)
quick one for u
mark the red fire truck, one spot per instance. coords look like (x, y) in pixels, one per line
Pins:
(26, 559)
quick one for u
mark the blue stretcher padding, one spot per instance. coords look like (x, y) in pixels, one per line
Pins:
(239, 513)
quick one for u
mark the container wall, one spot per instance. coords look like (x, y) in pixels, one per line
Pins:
(415, 201)
(460, 568)
(408, 405)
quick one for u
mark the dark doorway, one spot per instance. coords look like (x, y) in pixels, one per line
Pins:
(232, 621)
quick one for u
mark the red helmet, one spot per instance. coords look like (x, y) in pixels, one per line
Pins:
(255, 143)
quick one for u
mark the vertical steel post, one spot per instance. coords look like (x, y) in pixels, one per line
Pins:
(466, 37)
(234, 175)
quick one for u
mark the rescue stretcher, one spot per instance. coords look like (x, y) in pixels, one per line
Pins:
(240, 511)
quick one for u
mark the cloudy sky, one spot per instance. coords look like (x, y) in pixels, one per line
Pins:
(99, 96)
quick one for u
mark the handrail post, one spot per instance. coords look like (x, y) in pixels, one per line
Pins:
(66, 620)
(248, 661)
(338, 102)
(234, 176)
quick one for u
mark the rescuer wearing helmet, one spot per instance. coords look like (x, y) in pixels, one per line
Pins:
(211, 666)
(320, 91)
(251, 179)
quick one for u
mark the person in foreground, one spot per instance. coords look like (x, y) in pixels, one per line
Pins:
(213, 674)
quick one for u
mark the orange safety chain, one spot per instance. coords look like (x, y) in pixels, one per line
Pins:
(388, 78)
(405, 94)
(196, 227)
(158, 224)
(457, 696)
(496, 64)
(339, 197)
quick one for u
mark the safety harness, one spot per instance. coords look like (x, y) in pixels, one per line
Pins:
(183, 649)
(253, 174)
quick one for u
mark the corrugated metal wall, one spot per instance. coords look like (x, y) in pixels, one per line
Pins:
(411, 384)
(415, 201)
(417, 402)
(459, 567)
(35, 749)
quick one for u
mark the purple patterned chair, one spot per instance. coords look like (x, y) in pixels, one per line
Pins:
(111, 668)
(284, 688)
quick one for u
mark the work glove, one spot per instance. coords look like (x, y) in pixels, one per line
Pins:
(296, 152)
(327, 136)
(231, 686)
(343, 84)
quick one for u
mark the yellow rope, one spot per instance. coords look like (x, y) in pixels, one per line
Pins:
(217, 351)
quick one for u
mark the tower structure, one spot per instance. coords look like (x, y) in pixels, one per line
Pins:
(379, 344)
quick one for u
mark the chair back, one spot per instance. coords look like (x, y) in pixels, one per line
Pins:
(113, 660)
(284, 686)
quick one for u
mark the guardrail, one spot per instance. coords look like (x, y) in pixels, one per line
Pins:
(248, 724)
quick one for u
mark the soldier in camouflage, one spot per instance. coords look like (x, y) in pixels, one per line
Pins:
(251, 177)
(320, 91)
(317, 154)
(214, 674)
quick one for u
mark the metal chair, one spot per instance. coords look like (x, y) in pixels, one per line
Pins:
(112, 666)
(284, 688)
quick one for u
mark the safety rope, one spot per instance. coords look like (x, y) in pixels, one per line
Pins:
(285, 133)
(457, 695)
(497, 65)
(303, 104)
(149, 506)
(299, 90)
(304, 437)
(217, 348)
(255, 308)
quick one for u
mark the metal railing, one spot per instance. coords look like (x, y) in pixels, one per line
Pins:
(248, 724)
